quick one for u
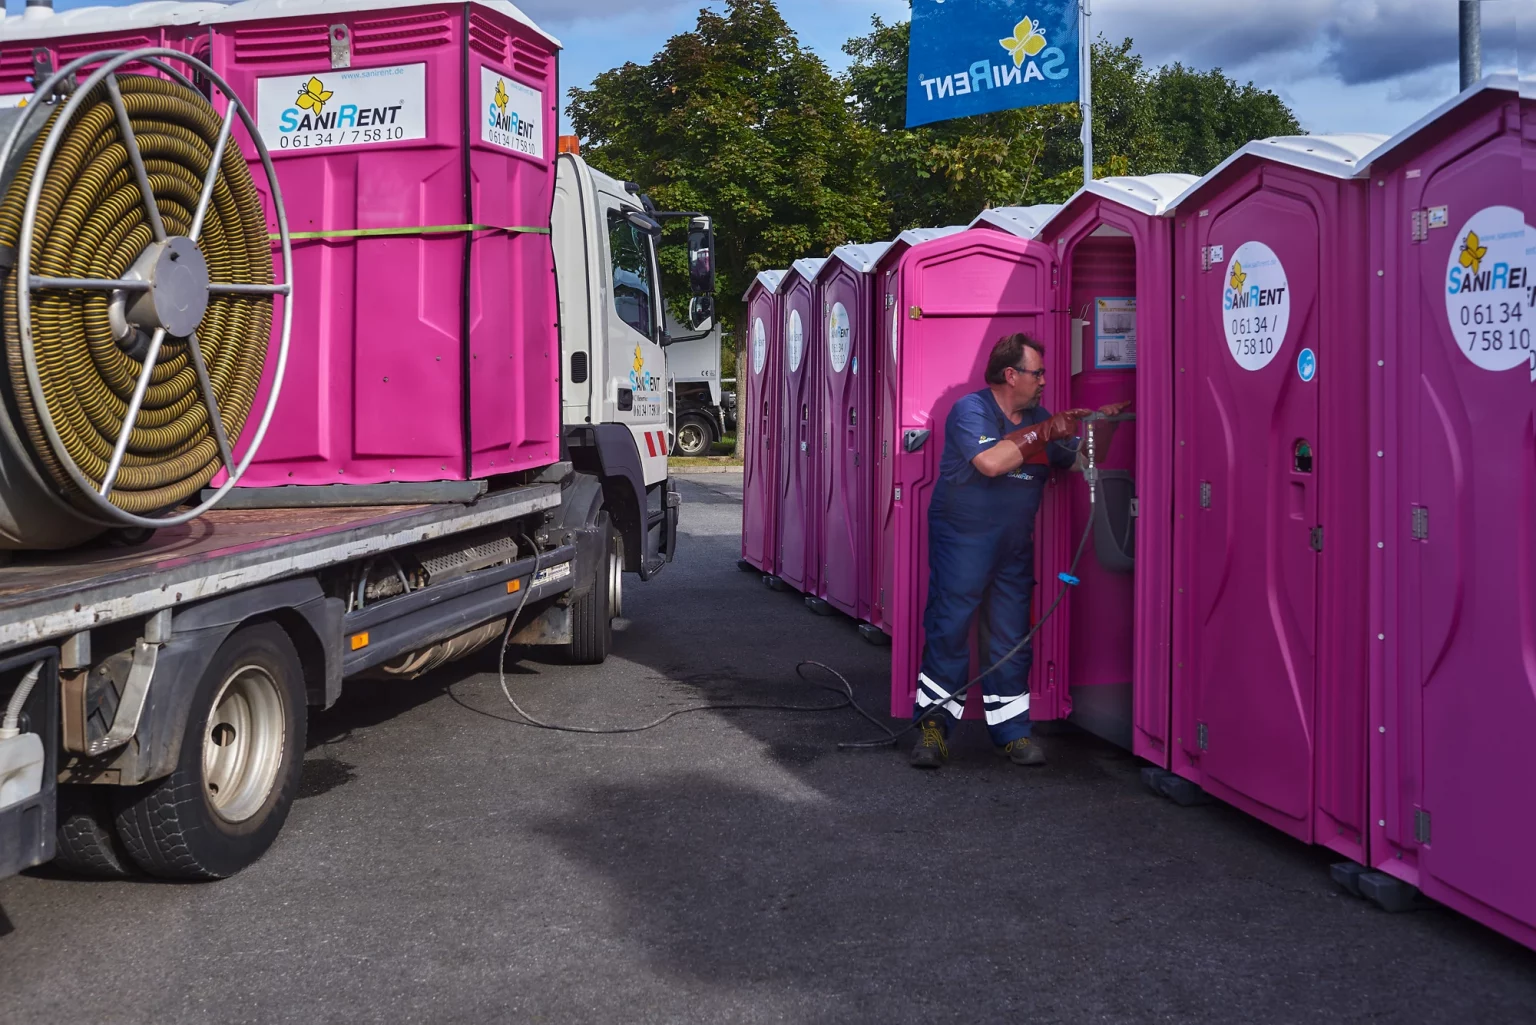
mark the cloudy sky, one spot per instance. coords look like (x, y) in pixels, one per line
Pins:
(1342, 65)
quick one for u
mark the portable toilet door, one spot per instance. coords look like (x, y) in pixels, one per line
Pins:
(960, 293)
(1114, 251)
(758, 420)
(887, 352)
(1453, 677)
(799, 440)
(846, 400)
(1270, 475)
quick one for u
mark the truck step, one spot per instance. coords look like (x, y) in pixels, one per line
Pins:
(820, 606)
(874, 635)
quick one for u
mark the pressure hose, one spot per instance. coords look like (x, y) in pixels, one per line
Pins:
(138, 291)
(93, 223)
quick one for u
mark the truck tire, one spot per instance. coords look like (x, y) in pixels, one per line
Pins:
(240, 763)
(695, 435)
(88, 843)
(592, 613)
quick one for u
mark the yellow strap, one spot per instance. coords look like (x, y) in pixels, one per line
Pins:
(436, 229)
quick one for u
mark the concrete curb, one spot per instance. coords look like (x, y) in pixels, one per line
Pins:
(688, 471)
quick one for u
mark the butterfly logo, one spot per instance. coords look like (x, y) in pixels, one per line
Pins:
(1238, 277)
(639, 360)
(313, 95)
(1472, 252)
(500, 98)
(1027, 40)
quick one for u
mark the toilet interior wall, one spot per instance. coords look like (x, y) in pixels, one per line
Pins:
(1101, 630)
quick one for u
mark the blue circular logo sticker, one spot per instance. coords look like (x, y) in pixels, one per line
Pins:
(1306, 365)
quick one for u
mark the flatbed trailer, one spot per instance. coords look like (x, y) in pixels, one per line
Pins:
(137, 651)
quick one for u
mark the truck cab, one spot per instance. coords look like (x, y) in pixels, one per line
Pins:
(618, 406)
(701, 418)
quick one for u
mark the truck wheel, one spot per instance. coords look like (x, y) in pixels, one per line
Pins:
(241, 760)
(695, 435)
(88, 843)
(592, 613)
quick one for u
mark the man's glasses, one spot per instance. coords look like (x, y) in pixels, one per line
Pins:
(1039, 374)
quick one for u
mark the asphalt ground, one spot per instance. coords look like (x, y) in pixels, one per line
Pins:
(446, 864)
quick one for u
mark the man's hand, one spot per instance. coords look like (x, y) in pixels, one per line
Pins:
(1032, 440)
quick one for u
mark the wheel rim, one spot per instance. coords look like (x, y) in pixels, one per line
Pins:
(690, 438)
(615, 580)
(243, 744)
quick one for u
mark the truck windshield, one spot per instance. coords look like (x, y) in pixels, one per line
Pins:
(634, 287)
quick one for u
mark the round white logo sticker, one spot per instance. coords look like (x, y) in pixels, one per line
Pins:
(794, 340)
(1488, 297)
(839, 336)
(759, 346)
(1255, 305)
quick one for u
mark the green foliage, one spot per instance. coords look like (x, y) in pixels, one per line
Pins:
(738, 120)
(1144, 122)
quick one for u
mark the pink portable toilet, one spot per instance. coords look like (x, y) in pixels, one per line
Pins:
(758, 420)
(421, 351)
(1270, 485)
(959, 294)
(1453, 401)
(846, 402)
(41, 40)
(888, 323)
(799, 551)
(1109, 642)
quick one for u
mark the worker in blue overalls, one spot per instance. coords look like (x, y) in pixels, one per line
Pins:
(999, 446)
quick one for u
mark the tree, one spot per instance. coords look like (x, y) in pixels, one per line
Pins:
(1145, 121)
(737, 120)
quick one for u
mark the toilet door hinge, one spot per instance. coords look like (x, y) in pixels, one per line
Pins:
(1419, 221)
(1421, 825)
(898, 492)
(890, 299)
(1421, 523)
(1317, 539)
(1205, 258)
(1205, 494)
(1202, 737)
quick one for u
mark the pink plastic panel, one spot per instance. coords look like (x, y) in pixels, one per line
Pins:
(799, 440)
(970, 288)
(758, 417)
(848, 531)
(514, 391)
(1456, 680)
(391, 353)
(1246, 615)
(886, 442)
(16, 56)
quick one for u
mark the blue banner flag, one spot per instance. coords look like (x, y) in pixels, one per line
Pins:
(977, 56)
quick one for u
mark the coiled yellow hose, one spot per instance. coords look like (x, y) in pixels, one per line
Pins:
(92, 223)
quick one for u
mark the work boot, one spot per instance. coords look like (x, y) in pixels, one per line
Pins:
(931, 749)
(1023, 752)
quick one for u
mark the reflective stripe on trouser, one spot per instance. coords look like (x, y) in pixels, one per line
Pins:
(969, 571)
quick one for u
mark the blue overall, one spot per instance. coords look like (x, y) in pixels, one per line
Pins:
(981, 553)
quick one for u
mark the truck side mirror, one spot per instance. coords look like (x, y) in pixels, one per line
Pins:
(701, 312)
(701, 256)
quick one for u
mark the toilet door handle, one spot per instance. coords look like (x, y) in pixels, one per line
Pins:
(913, 440)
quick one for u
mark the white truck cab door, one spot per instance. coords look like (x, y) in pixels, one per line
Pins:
(637, 373)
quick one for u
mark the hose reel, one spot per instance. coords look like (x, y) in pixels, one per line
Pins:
(137, 300)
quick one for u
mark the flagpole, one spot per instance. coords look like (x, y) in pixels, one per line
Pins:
(1085, 86)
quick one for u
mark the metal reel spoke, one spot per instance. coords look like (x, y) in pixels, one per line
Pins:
(236, 288)
(205, 383)
(38, 283)
(213, 172)
(131, 142)
(132, 416)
